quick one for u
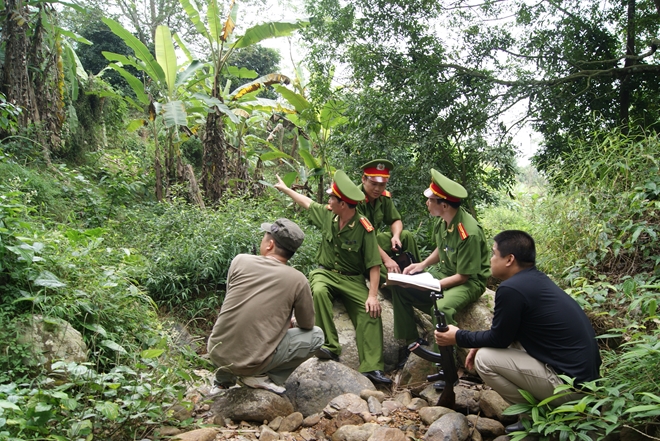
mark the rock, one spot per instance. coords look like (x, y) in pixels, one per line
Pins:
(366, 393)
(387, 434)
(50, 339)
(350, 402)
(180, 412)
(248, 404)
(390, 406)
(374, 406)
(355, 432)
(417, 403)
(168, 431)
(346, 334)
(291, 423)
(476, 317)
(268, 434)
(492, 405)
(466, 399)
(475, 435)
(488, 427)
(403, 397)
(196, 435)
(428, 415)
(450, 427)
(314, 383)
(311, 420)
(275, 423)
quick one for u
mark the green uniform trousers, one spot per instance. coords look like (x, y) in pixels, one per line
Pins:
(404, 300)
(351, 290)
(408, 243)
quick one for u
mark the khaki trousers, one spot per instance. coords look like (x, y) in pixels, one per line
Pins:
(297, 346)
(507, 370)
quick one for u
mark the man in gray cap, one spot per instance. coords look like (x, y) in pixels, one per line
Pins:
(256, 337)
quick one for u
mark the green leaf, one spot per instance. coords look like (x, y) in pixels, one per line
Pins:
(108, 410)
(95, 327)
(269, 156)
(213, 19)
(290, 178)
(114, 346)
(242, 72)
(166, 57)
(150, 65)
(4, 404)
(295, 99)
(310, 161)
(190, 71)
(73, 36)
(174, 114)
(48, 280)
(269, 30)
(193, 15)
(643, 408)
(135, 124)
(136, 84)
(152, 353)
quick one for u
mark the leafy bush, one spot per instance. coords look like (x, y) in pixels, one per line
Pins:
(188, 250)
(627, 395)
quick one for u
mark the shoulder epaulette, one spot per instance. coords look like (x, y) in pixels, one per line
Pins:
(366, 224)
(387, 194)
(461, 231)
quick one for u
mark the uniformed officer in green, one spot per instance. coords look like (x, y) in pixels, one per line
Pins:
(379, 208)
(348, 252)
(462, 255)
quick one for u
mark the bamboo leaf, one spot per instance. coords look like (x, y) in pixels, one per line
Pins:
(165, 56)
(48, 280)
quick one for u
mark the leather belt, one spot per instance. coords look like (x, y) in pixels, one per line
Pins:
(338, 272)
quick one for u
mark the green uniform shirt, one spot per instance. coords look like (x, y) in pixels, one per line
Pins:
(381, 212)
(353, 250)
(467, 255)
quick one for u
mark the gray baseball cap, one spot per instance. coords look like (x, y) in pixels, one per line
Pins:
(286, 233)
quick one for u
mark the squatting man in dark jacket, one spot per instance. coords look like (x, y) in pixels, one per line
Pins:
(538, 331)
(255, 336)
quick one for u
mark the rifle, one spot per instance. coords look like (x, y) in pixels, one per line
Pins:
(444, 358)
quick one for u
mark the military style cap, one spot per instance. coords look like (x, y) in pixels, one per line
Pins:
(345, 189)
(444, 188)
(286, 233)
(378, 170)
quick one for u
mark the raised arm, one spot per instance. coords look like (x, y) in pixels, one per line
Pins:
(298, 198)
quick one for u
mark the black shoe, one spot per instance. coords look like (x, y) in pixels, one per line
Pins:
(325, 354)
(517, 427)
(377, 377)
(440, 385)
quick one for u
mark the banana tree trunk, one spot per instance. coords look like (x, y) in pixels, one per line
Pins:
(214, 160)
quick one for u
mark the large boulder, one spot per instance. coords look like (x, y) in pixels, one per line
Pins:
(346, 333)
(476, 317)
(246, 404)
(50, 340)
(315, 382)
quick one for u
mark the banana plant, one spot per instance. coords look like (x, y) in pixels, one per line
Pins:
(162, 92)
(222, 42)
(314, 128)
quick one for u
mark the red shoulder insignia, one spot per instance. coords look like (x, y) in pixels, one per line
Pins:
(387, 193)
(461, 231)
(366, 224)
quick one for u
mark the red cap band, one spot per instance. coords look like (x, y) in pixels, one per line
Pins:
(441, 194)
(339, 194)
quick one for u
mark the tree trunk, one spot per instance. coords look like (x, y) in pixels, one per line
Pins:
(158, 170)
(214, 160)
(16, 84)
(193, 188)
(627, 85)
